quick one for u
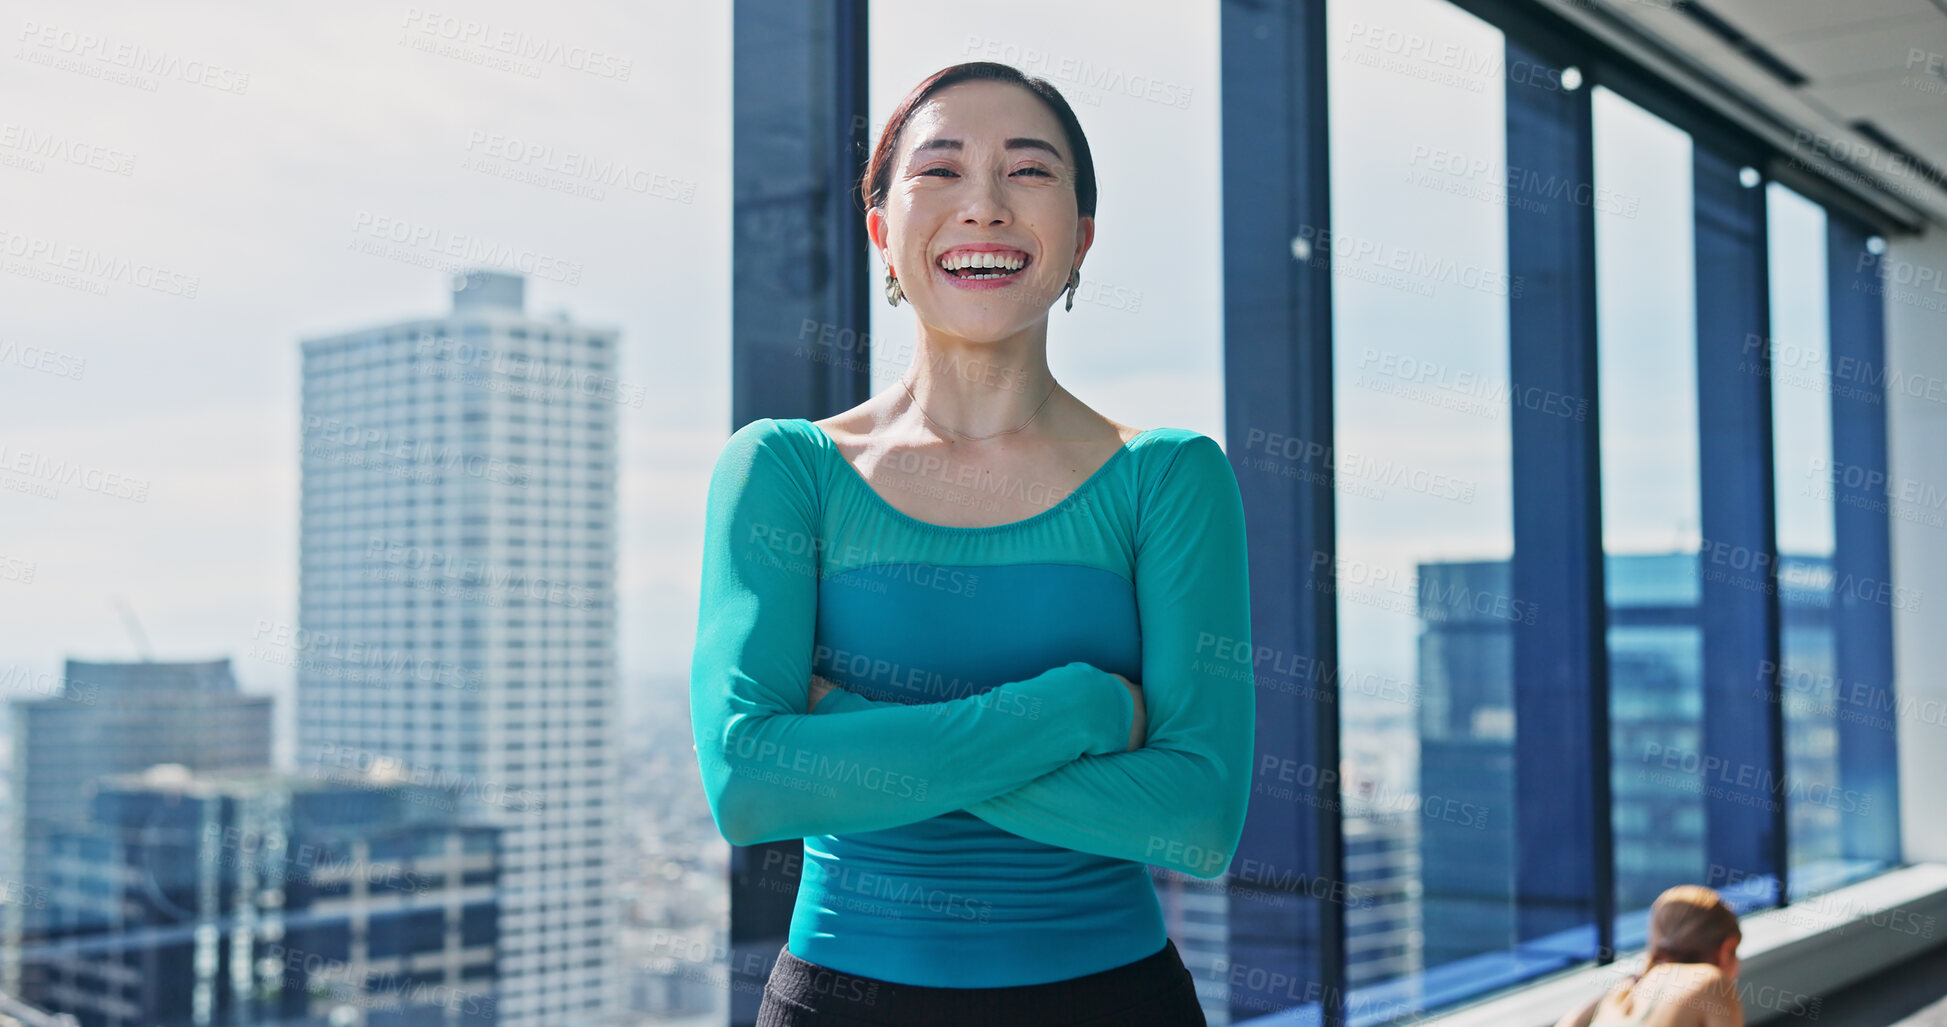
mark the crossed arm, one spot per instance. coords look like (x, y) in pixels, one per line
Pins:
(771, 772)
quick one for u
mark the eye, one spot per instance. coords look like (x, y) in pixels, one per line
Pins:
(949, 171)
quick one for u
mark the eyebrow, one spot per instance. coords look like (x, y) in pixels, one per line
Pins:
(1018, 143)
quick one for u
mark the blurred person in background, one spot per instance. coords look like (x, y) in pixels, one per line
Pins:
(1690, 979)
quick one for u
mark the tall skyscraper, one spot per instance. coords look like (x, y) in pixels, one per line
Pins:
(456, 608)
(100, 719)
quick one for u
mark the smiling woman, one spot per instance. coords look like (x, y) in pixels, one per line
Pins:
(957, 638)
(1046, 174)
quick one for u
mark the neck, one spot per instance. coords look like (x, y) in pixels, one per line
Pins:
(980, 388)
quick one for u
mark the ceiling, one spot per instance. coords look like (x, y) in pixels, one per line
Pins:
(1882, 63)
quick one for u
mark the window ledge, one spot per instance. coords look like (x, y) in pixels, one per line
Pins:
(1790, 958)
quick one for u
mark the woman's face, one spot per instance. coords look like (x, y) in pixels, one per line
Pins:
(981, 165)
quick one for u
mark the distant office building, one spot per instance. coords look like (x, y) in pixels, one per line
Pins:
(110, 718)
(1196, 916)
(1655, 640)
(1466, 661)
(15, 1013)
(456, 609)
(257, 898)
(1382, 916)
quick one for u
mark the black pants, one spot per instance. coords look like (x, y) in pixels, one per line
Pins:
(1154, 991)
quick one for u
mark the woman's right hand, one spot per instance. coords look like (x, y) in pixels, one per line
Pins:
(1138, 725)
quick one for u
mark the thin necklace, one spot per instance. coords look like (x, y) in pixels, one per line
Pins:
(977, 438)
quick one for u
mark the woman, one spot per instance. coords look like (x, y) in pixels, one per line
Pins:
(985, 650)
(1690, 979)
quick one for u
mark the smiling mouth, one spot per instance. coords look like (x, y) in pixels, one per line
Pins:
(974, 273)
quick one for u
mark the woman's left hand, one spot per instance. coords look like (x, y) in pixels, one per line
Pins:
(819, 686)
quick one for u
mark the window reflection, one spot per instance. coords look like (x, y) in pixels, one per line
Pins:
(1651, 502)
(1418, 253)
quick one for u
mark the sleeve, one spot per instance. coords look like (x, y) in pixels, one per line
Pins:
(1180, 801)
(770, 770)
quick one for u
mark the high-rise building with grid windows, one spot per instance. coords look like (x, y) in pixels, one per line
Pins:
(456, 613)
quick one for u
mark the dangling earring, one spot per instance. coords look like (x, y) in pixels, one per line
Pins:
(893, 293)
(1074, 279)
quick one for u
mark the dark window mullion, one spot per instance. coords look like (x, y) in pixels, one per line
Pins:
(798, 257)
(1564, 861)
(1278, 385)
(1863, 598)
(1742, 759)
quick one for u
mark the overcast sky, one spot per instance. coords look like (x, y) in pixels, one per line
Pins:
(248, 166)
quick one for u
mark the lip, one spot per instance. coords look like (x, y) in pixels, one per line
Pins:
(981, 247)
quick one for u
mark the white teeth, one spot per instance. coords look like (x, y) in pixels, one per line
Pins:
(1004, 261)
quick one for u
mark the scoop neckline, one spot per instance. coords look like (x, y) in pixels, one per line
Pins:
(831, 445)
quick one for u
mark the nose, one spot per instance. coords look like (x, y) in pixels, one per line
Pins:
(987, 204)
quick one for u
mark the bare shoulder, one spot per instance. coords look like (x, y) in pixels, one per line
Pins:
(844, 427)
(851, 431)
(1698, 993)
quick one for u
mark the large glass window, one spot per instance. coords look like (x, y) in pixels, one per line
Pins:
(1801, 425)
(1418, 253)
(1646, 330)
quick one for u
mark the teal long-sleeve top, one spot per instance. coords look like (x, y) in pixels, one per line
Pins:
(970, 817)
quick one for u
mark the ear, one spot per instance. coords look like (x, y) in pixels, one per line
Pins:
(1727, 951)
(875, 227)
(1084, 238)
